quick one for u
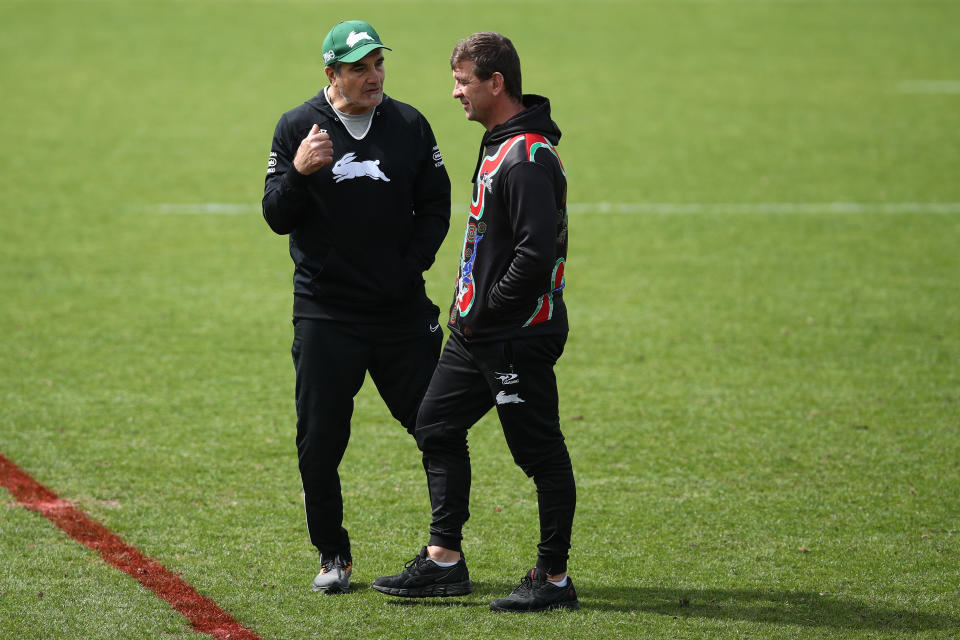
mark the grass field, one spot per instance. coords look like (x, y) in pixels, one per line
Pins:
(761, 389)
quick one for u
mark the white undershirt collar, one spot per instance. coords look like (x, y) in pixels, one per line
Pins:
(357, 125)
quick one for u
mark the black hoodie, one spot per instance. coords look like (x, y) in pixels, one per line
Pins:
(511, 280)
(364, 228)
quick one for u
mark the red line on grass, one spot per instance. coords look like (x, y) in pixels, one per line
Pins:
(203, 613)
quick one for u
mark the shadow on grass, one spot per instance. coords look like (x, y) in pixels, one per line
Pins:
(802, 608)
(435, 602)
(778, 607)
(395, 601)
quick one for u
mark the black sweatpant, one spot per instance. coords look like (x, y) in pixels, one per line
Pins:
(331, 359)
(515, 376)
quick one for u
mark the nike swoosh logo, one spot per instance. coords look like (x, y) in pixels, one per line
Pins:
(434, 328)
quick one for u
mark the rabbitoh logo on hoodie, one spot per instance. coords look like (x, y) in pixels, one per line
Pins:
(346, 169)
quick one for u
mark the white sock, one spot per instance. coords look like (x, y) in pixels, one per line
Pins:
(562, 583)
(444, 564)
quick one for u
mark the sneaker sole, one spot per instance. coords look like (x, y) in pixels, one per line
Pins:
(429, 591)
(334, 588)
(337, 586)
(572, 606)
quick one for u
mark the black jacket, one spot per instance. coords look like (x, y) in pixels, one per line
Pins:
(515, 247)
(364, 228)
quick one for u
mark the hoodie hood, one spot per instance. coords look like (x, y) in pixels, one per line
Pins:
(535, 118)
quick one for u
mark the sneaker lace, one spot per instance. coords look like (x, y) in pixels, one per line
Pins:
(415, 562)
(327, 564)
(525, 585)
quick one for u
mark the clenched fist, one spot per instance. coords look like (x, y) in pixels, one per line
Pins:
(315, 151)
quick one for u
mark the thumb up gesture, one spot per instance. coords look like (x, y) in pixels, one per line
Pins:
(315, 151)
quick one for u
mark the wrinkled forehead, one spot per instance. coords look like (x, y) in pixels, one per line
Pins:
(463, 71)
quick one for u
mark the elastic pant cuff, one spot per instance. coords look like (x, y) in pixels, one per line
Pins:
(329, 553)
(552, 565)
(446, 543)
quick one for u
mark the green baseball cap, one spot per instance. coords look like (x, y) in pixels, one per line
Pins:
(349, 41)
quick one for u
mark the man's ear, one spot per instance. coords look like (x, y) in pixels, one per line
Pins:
(331, 74)
(498, 84)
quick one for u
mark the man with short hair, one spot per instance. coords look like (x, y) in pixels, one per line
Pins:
(508, 326)
(357, 181)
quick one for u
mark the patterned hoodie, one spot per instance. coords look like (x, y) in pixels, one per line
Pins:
(511, 277)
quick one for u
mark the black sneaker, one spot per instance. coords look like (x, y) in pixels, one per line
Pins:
(423, 578)
(536, 594)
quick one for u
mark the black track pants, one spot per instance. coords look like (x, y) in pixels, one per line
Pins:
(517, 378)
(331, 359)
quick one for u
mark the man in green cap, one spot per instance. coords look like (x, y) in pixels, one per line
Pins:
(357, 181)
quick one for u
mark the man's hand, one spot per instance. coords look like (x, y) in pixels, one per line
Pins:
(315, 152)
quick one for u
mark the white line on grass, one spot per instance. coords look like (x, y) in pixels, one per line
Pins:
(764, 207)
(931, 87)
(633, 208)
(213, 208)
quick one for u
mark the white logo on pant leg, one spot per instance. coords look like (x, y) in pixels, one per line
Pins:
(504, 398)
(507, 378)
(346, 169)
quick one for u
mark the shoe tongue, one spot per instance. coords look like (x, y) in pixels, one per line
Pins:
(537, 574)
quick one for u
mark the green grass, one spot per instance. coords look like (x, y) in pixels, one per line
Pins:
(762, 408)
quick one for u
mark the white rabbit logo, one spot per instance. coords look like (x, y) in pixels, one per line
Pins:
(346, 169)
(355, 37)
